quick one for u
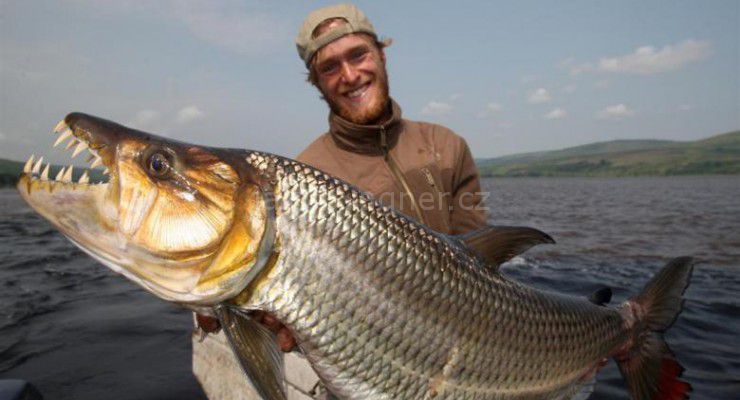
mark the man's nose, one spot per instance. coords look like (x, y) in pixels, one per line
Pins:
(349, 73)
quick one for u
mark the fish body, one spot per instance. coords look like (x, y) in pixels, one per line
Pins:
(381, 306)
(384, 308)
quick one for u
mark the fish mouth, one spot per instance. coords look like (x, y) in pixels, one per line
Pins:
(83, 207)
(89, 208)
(175, 218)
(76, 140)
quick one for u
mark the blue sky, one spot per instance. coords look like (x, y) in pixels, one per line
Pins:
(508, 76)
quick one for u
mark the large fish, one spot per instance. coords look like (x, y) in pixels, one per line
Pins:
(381, 306)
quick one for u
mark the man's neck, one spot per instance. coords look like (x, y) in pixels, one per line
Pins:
(384, 117)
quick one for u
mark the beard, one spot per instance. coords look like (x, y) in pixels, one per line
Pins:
(370, 114)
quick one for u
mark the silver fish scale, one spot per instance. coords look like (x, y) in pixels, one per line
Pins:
(384, 308)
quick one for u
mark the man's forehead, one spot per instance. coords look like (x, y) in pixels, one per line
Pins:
(343, 45)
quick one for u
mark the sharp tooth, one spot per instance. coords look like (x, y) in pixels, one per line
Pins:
(98, 161)
(61, 126)
(29, 164)
(60, 174)
(70, 144)
(84, 178)
(67, 175)
(62, 137)
(106, 172)
(37, 166)
(81, 146)
(45, 173)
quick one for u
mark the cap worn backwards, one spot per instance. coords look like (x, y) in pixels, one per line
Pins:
(356, 22)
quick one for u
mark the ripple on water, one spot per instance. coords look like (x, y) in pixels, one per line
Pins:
(108, 339)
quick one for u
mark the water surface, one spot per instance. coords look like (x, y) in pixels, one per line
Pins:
(79, 331)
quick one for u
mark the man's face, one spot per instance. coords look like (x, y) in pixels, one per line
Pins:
(352, 78)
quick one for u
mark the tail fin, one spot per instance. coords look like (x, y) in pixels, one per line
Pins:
(649, 366)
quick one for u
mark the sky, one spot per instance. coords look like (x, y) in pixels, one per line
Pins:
(510, 77)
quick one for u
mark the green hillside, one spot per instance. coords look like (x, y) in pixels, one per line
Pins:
(718, 154)
(715, 155)
(10, 170)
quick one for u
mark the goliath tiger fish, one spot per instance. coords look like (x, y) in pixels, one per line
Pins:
(381, 306)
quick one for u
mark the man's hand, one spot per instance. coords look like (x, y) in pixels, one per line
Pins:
(283, 337)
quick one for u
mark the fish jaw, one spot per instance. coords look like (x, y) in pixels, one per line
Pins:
(177, 219)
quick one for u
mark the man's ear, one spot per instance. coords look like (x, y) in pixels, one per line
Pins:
(382, 55)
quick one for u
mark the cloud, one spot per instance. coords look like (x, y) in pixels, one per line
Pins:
(188, 115)
(569, 89)
(228, 25)
(437, 108)
(455, 96)
(491, 108)
(647, 60)
(557, 113)
(615, 112)
(685, 107)
(602, 84)
(145, 119)
(575, 68)
(2, 137)
(539, 96)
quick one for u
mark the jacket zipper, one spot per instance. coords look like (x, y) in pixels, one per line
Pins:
(396, 171)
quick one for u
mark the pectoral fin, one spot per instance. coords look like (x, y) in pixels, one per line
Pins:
(255, 347)
(497, 244)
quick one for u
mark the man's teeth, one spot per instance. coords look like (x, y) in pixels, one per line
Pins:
(357, 92)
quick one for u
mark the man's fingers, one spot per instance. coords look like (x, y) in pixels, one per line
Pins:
(207, 324)
(285, 340)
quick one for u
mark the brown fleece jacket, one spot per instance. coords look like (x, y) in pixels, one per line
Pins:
(424, 170)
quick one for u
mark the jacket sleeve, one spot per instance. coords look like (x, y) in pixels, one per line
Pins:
(469, 209)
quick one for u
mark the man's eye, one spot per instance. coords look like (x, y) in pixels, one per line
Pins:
(329, 68)
(358, 55)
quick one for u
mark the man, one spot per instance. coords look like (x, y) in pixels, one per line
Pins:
(423, 170)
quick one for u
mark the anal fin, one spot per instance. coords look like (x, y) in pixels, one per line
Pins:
(257, 351)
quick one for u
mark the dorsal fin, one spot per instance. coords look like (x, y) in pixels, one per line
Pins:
(497, 244)
(601, 296)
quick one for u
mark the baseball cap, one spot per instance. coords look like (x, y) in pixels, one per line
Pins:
(356, 22)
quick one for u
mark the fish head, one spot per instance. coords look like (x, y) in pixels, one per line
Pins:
(183, 221)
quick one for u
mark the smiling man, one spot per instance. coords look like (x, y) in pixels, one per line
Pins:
(423, 170)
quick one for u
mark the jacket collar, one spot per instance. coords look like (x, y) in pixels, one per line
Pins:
(366, 139)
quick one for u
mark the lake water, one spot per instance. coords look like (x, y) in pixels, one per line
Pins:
(78, 331)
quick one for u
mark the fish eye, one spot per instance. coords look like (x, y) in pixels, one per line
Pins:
(159, 165)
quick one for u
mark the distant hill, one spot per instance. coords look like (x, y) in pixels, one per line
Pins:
(10, 170)
(718, 154)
